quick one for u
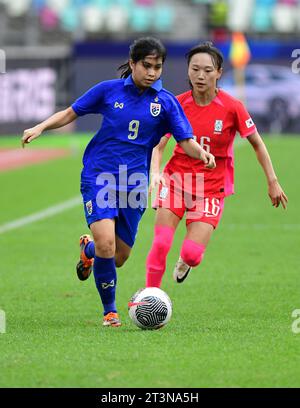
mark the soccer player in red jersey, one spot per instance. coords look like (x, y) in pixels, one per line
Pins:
(215, 117)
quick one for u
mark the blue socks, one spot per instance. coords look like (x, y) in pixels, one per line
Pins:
(105, 277)
(106, 280)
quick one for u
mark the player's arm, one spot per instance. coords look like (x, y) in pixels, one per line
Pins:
(194, 150)
(275, 191)
(157, 155)
(55, 121)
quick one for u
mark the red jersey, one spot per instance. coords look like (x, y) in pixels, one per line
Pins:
(215, 126)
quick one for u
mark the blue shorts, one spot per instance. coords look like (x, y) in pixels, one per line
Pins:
(126, 219)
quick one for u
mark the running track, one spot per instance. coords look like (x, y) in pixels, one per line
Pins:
(16, 158)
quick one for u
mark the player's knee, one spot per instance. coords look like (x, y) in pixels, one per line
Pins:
(191, 252)
(105, 248)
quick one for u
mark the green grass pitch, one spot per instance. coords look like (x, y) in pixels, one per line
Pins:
(232, 318)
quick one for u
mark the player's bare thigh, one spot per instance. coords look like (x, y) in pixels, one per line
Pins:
(164, 216)
(199, 232)
(104, 237)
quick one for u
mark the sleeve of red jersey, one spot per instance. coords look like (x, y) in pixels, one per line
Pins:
(244, 123)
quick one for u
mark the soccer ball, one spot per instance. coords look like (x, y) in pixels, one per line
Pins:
(150, 308)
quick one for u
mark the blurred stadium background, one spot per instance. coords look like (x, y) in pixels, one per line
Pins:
(56, 49)
(231, 325)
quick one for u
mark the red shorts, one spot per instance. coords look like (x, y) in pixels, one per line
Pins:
(183, 194)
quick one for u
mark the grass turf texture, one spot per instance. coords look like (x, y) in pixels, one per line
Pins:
(231, 323)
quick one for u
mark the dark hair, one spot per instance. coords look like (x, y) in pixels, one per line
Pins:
(207, 48)
(139, 49)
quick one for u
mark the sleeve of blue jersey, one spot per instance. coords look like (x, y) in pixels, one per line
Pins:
(91, 101)
(178, 123)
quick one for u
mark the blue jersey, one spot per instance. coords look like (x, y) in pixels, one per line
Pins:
(133, 124)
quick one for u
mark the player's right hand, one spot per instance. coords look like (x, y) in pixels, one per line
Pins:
(208, 159)
(156, 180)
(30, 134)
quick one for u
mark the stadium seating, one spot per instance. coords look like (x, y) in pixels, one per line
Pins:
(48, 18)
(93, 18)
(38, 4)
(163, 18)
(117, 18)
(57, 5)
(239, 17)
(219, 13)
(70, 18)
(141, 18)
(112, 18)
(17, 8)
(262, 15)
(284, 17)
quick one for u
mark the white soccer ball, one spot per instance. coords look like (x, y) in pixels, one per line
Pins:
(150, 308)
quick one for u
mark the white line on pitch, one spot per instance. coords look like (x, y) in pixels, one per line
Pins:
(41, 215)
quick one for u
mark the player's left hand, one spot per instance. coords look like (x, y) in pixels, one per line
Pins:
(31, 134)
(277, 195)
(208, 159)
(156, 180)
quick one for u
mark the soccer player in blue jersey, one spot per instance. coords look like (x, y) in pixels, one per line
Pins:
(137, 111)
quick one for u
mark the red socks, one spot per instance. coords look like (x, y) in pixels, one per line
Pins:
(191, 252)
(156, 260)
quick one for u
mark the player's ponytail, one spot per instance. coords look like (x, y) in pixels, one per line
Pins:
(139, 49)
(125, 70)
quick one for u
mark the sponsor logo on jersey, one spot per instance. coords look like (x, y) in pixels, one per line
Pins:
(89, 207)
(119, 105)
(163, 193)
(249, 123)
(218, 125)
(155, 109)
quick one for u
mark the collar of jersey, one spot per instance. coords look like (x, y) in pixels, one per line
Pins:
(157, 85)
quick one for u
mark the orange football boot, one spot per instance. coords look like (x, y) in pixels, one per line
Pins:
(85, 265)
(111, 319)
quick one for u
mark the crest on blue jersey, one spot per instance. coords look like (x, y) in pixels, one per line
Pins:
(89, 207)
(155, 109)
